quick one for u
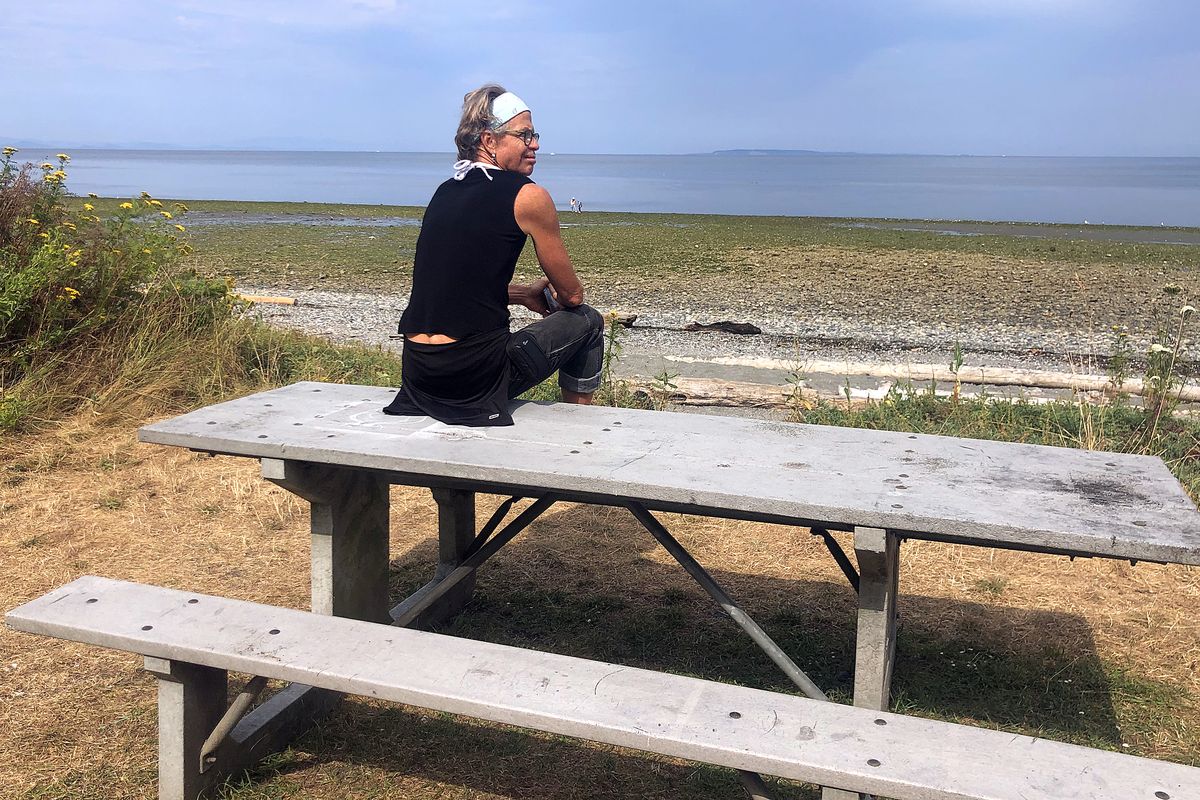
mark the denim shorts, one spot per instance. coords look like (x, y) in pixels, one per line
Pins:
(570, 341)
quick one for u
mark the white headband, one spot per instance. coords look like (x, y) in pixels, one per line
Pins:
(505, 107)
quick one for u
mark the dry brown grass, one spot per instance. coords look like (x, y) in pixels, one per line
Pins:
(79, 722)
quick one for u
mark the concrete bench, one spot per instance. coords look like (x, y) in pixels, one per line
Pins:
(189, 640)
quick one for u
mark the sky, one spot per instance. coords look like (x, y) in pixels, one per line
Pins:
(984, 77)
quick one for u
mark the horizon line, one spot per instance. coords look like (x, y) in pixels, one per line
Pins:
(748, 151)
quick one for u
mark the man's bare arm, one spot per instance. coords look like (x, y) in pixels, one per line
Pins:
(536, 215)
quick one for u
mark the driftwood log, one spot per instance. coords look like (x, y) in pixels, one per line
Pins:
(742, 328)
(736, 394)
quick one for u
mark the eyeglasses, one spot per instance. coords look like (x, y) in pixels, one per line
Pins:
(526, 135)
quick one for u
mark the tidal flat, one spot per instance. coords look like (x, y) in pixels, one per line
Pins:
(876, 285)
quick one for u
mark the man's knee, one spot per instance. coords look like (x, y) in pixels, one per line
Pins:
(594, 319)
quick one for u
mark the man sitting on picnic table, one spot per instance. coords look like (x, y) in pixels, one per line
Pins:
(461, 365)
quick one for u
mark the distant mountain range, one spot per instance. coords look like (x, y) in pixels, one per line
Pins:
(771, 152)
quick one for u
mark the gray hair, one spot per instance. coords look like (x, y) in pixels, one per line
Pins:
(476, 118)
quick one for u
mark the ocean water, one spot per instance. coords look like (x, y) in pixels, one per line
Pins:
(1114, 191)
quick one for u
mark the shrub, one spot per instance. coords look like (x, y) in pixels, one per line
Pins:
(77, 291)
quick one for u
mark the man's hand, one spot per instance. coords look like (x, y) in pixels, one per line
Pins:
(531, 296)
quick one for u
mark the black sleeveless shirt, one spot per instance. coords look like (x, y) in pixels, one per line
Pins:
(466, 254)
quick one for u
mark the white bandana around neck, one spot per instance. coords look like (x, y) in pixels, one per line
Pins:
(461, 168)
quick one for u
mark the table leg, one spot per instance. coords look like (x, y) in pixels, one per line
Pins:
(456, 531)
(349, 525)
(878, 553)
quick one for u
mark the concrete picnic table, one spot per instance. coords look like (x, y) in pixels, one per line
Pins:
(332, 445)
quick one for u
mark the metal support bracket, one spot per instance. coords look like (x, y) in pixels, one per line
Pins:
(839, 555)
(743, 620)
(410, 610)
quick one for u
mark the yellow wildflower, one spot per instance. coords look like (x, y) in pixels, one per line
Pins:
(69, 225)
(44, 235)
(146, 250)
(93, 195)
(72, 293)
(145, 195)
(127, 206)
(180, 207)
(166, 214)
(47, 165)
(154, 203)
(33, 221)
(88, 207)
(180, 228)
(8, 151)
(63, 157)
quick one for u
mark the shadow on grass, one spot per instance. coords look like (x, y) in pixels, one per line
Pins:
(1034, 687)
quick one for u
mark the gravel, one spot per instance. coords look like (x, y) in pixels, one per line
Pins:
(370, 318)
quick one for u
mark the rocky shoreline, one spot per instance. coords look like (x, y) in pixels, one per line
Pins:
(786, 337)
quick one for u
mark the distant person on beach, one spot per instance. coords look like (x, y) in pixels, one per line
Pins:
(573, 203)
(579, 207)
(461, 364)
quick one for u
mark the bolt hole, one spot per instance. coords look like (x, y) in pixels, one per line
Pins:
(147, 627)
(608, 429)
(1162, 796)
(93, 600)
(268, 405)
(316, 390)
(211, 422)
(587, 442)
(273, 631)
(1141, 523)
(873, 762)
(1110, 463)
(912, 437)
(330, 436)
(262, 436)
(297, 423)
(616, 423)
(574, 452)
(881, 722)
(901, 486)
(193, 601)
(897, 505)
(902, 475)
(735, 715)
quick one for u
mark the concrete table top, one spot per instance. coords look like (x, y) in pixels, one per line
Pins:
(994, 494)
